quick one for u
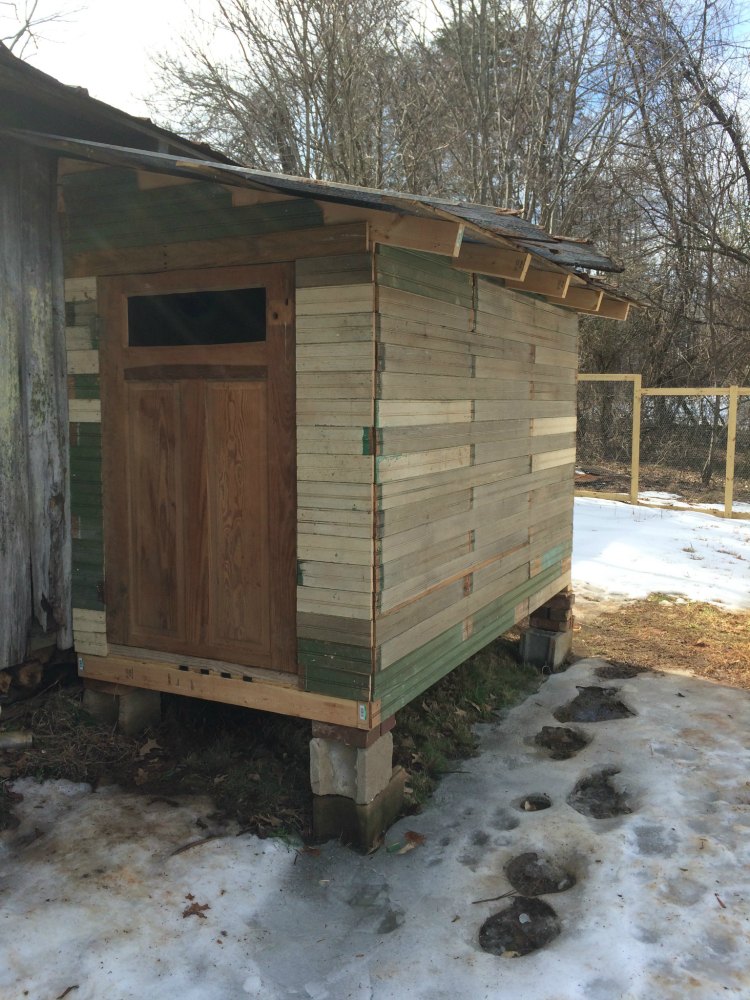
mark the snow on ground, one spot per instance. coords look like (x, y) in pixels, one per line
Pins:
(97, 900)
(629, 552)
(659, 498)
(92, 896)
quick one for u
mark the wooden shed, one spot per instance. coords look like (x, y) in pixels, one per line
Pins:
(322, 438)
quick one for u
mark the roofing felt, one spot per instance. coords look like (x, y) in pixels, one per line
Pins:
(32, 96)
(485, 223)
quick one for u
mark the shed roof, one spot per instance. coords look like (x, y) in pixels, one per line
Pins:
(481, 229)
(34, 99)
(40, 107)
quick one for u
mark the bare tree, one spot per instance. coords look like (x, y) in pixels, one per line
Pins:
(309, 87)
(625, 121)
(23, 21)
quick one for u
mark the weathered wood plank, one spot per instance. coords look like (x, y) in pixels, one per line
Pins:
(490, 392)
(211, 686)
(413, 413)
(335, 468)
(406, 678)
(265, 248)
(349, 269)
(397, 440)
(15, 541)
(34, 518)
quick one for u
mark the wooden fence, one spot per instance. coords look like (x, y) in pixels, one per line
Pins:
(732, 394)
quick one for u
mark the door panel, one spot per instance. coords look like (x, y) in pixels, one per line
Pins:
(199, 478)
(240, 570)
(155, 494)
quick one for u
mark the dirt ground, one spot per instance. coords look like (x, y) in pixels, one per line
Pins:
(254, 765)
(614, 477)
(664, 633)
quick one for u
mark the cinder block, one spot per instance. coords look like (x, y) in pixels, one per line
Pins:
(545, 649)
(547, 625)
(138, 710)
(356, 773)
(102, 705)
(560, 601)
(361, 825)
(559, 615)
(359, 738)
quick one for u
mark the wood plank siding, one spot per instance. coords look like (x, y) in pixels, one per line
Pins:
(475, 445)
(34, 516)
(84, 404)
(335, 473)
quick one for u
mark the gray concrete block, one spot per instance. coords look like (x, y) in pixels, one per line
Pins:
(102, 706)
(361, 825)
(545, 649)
(357, 774)
(139, 710)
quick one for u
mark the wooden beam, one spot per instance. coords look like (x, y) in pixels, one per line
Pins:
(554, 283)
(247, 196)
(635, 451)
(266, 248)
(407, 231)
(493, 261)
(731, 448)
(148, 181)
(285, 700)
(580, 298)
(412, 233)
(610, 309)
(67, 166)
(689, 391)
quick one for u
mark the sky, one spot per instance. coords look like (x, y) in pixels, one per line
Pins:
(105, 45)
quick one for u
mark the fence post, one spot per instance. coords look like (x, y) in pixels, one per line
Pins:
(734, 394)
(635, 453)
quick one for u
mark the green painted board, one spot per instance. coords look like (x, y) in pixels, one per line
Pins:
(119, 215)
(337, 650)
(418, 670)
(424, 274)
(86, 595)
(354, 687)
(320, 662)
(84, 387)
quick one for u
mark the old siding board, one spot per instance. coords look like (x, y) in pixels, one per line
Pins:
(15, 587)
(87, 515)
(34, 514)
(111, 211)
(475, 420)
(86, 500)
(405, 679)
(335, 474)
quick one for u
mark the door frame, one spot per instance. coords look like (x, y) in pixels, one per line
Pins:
(278, 353)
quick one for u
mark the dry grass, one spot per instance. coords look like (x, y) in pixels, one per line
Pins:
(255, 766)
(661, 634)
(614, 477)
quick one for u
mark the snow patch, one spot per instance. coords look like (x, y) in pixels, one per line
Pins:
(630, 552)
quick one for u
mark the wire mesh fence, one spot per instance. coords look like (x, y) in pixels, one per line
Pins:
(676, 447)
(605, 412)
(742, 451)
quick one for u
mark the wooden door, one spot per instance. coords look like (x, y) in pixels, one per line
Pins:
(198, 459)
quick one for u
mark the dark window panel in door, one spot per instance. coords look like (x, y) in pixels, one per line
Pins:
(183, 319)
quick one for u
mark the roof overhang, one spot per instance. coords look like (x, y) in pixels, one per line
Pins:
(480, 239)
